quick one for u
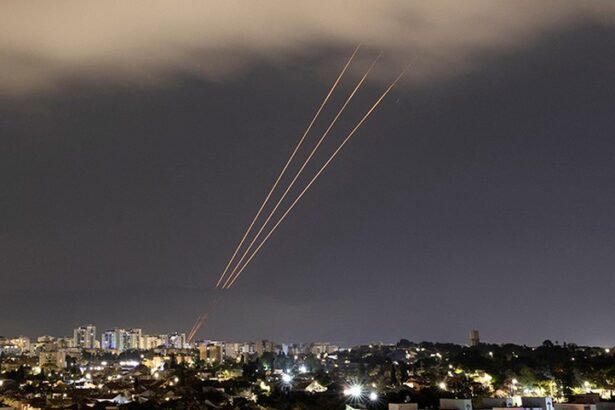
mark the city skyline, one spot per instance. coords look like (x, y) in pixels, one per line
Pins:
(478, 195)
(63, 373)
(118, 340)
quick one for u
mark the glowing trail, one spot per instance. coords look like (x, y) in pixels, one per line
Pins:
(193, 327)
(305, 163)
(234, 278)
(201, 320)
(197, 326)
(333, 87)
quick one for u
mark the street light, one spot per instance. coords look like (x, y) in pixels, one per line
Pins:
(286, 378)
(355, 391)
(286, 383)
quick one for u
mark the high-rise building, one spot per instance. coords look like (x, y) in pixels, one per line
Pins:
(120, 339)
(110, 339)
(55, 359)
(133, 339)
(233, 350)
(211, 353)
(176, 340)
(264, 346)
(85, 337)
(151, 342)
(474, 338)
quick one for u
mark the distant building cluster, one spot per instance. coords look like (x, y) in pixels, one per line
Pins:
(119, 340)
(52, 351)
(212, 351)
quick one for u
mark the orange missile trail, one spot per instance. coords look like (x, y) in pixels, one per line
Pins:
(201, 320)
(193, 327)
(197, 326)
(369, 112)
(305, 163)
(277, 181)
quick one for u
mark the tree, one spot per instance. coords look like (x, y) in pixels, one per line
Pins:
(404, 344)
(394, 381)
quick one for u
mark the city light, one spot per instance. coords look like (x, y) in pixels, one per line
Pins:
(361, 390)
(354, 391)
(264, 386)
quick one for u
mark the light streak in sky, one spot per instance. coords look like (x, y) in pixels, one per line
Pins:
(238, 269)
(203, 318)
(197, 326)
(320, 171)
(199, 322)
(305, 163)
(260, 210)
(193, 327)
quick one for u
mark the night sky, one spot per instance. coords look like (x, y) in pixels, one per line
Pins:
(480, 194)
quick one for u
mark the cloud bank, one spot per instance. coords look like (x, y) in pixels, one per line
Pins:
(46, 45)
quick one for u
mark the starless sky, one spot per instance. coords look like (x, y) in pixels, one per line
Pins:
(138, 139)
